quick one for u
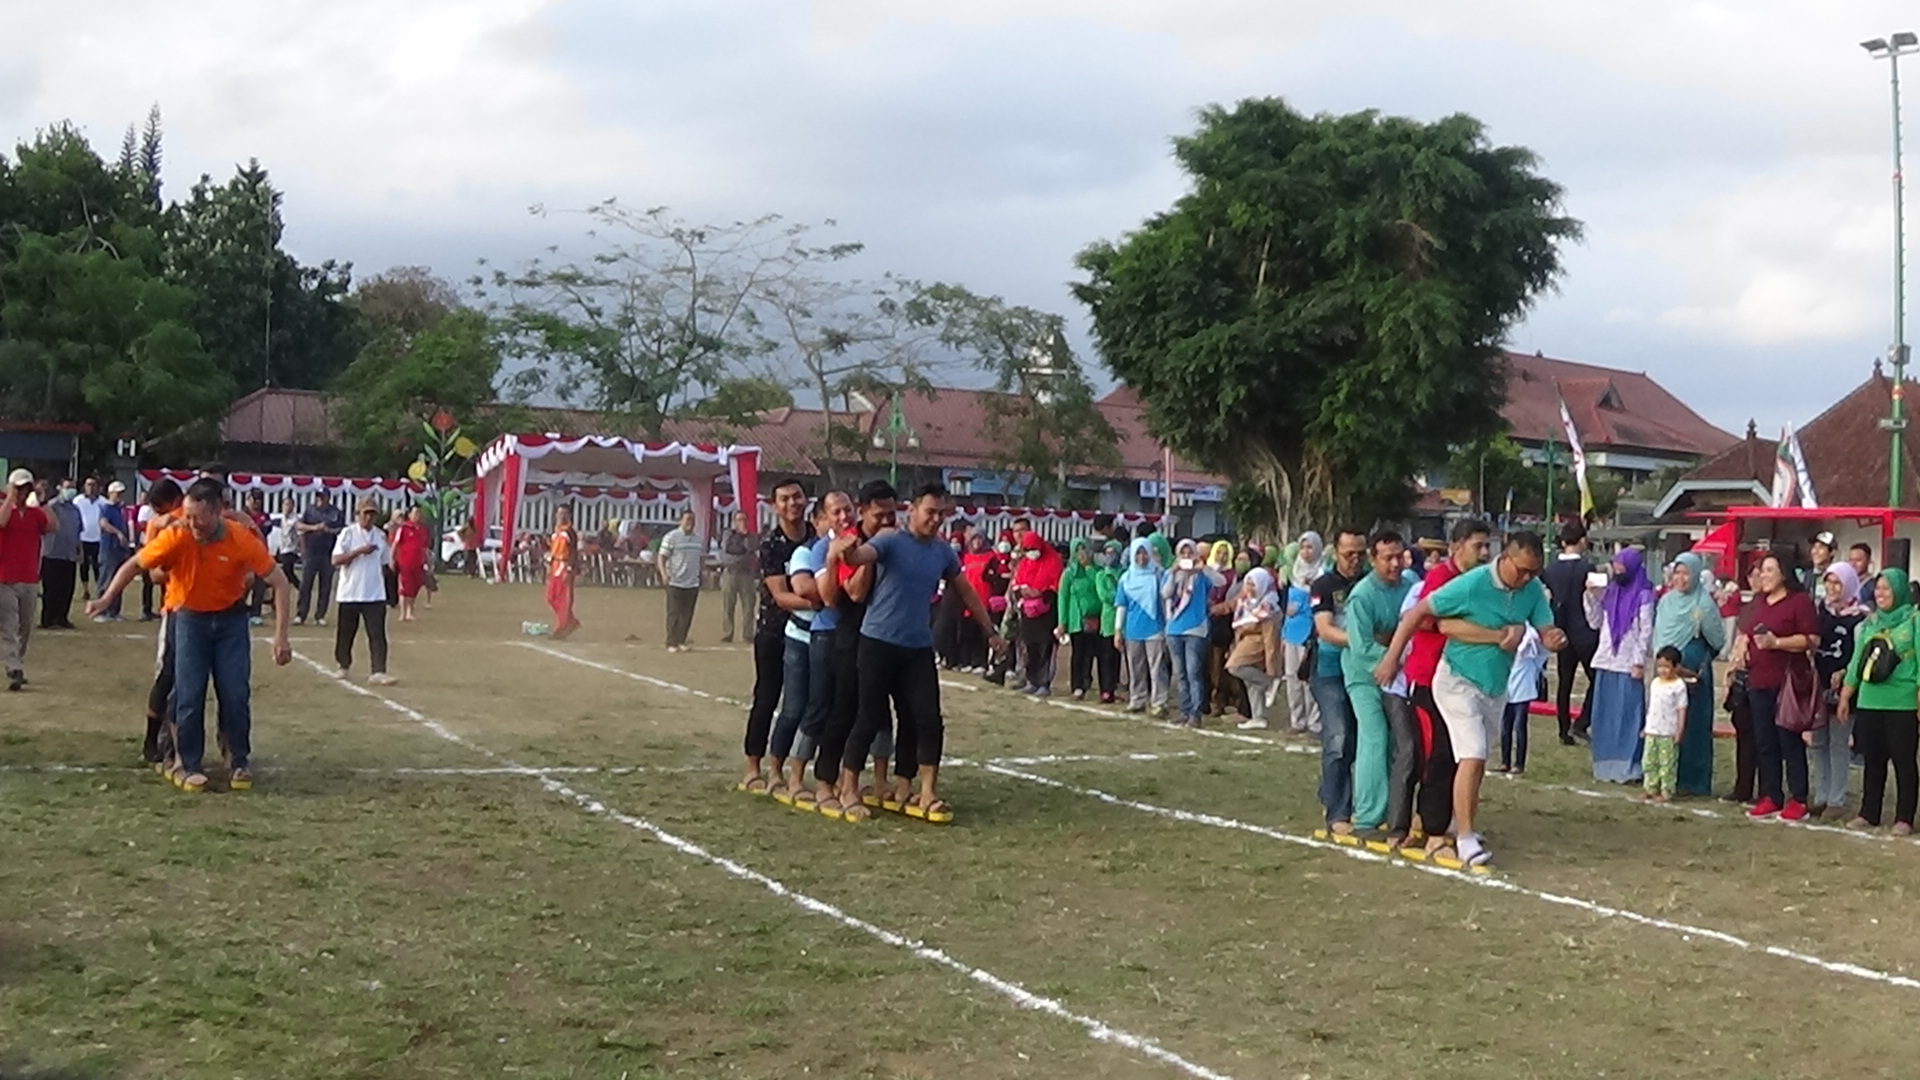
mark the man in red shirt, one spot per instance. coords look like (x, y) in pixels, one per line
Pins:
(21, 527)
(1469, 545)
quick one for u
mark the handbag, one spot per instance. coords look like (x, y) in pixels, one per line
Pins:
(1309, 660)
(1880, 661)
(1797, 713)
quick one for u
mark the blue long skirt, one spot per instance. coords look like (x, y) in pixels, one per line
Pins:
(1616, 713)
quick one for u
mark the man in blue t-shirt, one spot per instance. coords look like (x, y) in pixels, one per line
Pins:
(807, 683)
(896, 651)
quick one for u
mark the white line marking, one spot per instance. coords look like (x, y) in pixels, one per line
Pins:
(635, 676)
(1026, 999)
(1497, 884)
(270, 770)
(951, 685)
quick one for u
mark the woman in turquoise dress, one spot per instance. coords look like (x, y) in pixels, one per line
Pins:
(1688, 620)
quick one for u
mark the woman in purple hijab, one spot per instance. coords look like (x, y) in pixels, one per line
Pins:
(1622, 611)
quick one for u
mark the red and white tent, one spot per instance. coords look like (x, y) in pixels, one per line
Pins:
(510, 464)
(287, 484)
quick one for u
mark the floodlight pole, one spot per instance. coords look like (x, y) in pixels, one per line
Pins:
(1892, 49)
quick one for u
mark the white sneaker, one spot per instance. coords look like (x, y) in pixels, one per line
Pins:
(1273, 693)
(101, 618)
(1252, 725)
(319, 622)
(381, 678)
(342, 674)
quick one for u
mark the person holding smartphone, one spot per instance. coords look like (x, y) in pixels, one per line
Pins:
(1783, 623)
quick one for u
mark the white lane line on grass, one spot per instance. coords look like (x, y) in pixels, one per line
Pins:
(1026, 999)
(1497, 884)
(634, 675)
(951, 685)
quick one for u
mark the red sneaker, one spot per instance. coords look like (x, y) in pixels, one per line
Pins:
(1795, 810)
(1765, 808)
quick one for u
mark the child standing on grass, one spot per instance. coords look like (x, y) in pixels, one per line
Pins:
(1666, 722)
(1523, 687)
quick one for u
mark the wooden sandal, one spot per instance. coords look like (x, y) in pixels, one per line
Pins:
(747, 786)
(939, 813)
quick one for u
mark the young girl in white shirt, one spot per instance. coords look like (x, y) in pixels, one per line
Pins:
(1666, 722)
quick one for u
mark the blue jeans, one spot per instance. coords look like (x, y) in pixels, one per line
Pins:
(214, 645)
(1336, 746)
(1189, 656)
(110, 562)
(1832, 754)
(795, 680)
(813, 722)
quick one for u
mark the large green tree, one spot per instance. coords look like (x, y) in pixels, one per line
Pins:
(1321, 314)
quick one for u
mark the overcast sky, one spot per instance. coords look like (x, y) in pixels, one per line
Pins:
(1731, 161)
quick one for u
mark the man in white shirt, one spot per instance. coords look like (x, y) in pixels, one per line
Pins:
(360, 555)
(89, 503)
(681, 553)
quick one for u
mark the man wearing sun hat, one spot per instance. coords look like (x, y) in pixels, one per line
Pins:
(21, 528)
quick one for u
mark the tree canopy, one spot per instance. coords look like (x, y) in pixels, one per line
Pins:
(1321, 314)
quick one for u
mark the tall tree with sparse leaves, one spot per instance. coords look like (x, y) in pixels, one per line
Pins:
(1321, 314)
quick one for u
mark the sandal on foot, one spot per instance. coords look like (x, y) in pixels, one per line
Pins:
(748, 786)
(939, 813)
(805, 801)
(856, 813)
(240, 779)
(191, 783)
(783, 796)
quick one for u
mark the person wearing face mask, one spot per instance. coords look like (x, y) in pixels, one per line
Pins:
(1005, 614)
(977, 559)
(1035, 594)
(1106, 583)
(1185, 592)
(948, 617)
(59, 557)
(1080, 615)
(1225, 694)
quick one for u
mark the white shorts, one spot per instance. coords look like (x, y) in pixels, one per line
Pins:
(1471, 714)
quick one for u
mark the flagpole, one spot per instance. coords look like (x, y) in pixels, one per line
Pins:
(1550, 457)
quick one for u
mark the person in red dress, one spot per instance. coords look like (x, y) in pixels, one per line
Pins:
(410, 554)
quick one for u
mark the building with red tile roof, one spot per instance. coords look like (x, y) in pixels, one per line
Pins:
(1627, 422)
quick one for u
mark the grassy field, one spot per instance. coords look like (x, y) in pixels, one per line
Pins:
(526, 860)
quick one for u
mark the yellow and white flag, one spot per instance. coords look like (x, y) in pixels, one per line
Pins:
(1579, 460)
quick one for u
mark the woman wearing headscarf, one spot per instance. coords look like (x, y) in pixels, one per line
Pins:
(977, 564)
(1185, 591)
(1296, 631)
(1035, 594)
(1828, 746)
(1257, 654)
(1080, 615)
(1622, 612)
(1222, 695)
(1309, 558)
(1106, 582)
(1688, 619)
(1885, 727)
(1140, 628)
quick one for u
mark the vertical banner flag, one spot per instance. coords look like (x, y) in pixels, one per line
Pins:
(1786, 479)
(1579, 459)
(1800, 469)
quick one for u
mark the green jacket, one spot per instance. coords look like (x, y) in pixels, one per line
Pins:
(1900, 690)
(1080, 591)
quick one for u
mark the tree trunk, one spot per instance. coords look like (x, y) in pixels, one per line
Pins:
(1299, 485)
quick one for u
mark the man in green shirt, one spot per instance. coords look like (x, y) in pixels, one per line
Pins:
(1373, 611)
(1484, 613)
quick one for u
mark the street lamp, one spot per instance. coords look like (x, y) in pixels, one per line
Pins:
(1891, 49)
(890, 440)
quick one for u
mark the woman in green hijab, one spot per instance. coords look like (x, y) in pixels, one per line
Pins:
(1080, 615)
(1885, 728)
(1106, 580)
(1688, 620)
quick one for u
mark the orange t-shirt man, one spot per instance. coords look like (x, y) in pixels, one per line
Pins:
(208, 577)
(560, 553)
(171, 595)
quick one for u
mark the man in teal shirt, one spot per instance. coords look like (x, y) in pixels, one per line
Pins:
(1373, 611)
(1484, 613)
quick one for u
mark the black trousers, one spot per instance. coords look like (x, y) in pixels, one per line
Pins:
(1777, 749)
(146, 596)
(159, 742)
(318, 578)
(1107, 659)
(769, 672)
(947, 619)
(910, 680)
(90, 562)
(1573, 660)
(1888, 737)
(1746, 755)
(970, 650)
(680, 604)
(56, 592)
(350, 618)
(1085, 652)
(1435, 767)
(843, 711)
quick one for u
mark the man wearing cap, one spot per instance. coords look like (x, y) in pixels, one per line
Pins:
(1822, 559)
(115, 543)
(359, 558)
(21, 528)
(319, 527)
(207, 557)
(89, 502)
